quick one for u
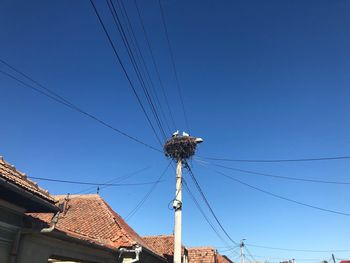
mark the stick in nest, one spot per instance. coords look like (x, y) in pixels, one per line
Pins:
(180, 147)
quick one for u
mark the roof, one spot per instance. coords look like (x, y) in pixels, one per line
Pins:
(223, 259)
(90, 218)
(163, 244)
(201, 255)
(9, 173)
(206, 255)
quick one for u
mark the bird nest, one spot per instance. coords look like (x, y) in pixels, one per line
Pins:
(182, 147)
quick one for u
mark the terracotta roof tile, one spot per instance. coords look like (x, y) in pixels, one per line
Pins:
(11, 174)
(163, 244)
(90, 218)
(201, 255)
(205, 255)
(222, 259)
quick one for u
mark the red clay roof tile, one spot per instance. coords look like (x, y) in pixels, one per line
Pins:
(201, 255)
(90, 218)
(11, 174)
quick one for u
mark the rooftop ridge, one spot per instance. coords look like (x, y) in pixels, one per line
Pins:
(14, 172)
(202, 247)
(115, 216)
(161, 235)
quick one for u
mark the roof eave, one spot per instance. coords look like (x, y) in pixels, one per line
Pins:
(46, 205)
(154, 254)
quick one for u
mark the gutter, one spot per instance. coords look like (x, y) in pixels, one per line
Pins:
(137, 251)
(25, 193)
(52, 224)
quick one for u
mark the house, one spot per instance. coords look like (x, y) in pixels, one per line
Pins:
(206, 255)
(164, 245)
(36, 227)
(91, 219)
(17, 196)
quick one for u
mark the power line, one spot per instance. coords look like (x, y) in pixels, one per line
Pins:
(229, 249)
(61, 100)
(147, 195)
(36, 82)
(120, 62)
(114, 180)
(297, 259)
(119, 25)
(207, 203)
(88, 183)
(278, 160)
(282, 197)
(195, 201)
(283, 177)
(173, 63)
(300, 250)
(250, 254)
(134, 41)
(155, 64)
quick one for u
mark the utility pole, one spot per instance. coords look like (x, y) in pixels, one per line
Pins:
(241, 246)
(177, 204)
(179, 148)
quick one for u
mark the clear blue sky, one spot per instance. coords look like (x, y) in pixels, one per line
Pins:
(260, 80)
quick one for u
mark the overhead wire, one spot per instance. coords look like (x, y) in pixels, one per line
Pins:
(114, 180)
(154, 64)
(331, 158)
(120, 62)
(63, 101)
(147, 195)
(300, 250)
(281, 197)
(250, 254)
(173, 63)
(87, 183)
(283, 177)
(135, 43)
(127, 45)
(206, 218)
(208, 204)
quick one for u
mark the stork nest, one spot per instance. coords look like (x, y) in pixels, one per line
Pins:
(181, 147)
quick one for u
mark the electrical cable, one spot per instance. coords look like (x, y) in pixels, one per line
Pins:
(282, 197)
(88, 183)
(114, 180)
(207, 203)
(195, 201)
(173, 63)
(283, 177)
(53, 96)
(250, 254)
(120, 62)
(155, 64)
(136, 45)
(300, 250)
(147, 195)
(278, 160)
(118, 24)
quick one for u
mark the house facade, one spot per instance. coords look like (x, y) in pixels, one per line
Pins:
(36, 227)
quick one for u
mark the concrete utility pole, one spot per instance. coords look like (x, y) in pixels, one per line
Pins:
(178, 213)
(241, 246)
(179, 148)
